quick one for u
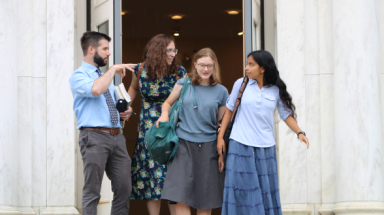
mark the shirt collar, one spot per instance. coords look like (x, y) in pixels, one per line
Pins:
(253, 81)
(90, 68)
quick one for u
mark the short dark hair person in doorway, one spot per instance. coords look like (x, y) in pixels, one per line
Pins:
(102, 146)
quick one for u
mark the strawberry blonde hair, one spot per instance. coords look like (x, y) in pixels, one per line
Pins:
(215, 77)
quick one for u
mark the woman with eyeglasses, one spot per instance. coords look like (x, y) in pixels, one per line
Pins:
(193, 178)
(154, 79)
(251, 177)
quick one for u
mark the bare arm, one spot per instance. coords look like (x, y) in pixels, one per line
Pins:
(103, 82)
(220, 114)
(172, 98)
(292, 124)
(133, 88)
(224, 125)
(220, 137)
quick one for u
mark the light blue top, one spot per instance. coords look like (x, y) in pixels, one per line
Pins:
(253, 125)
(199, 124)
(90, 111)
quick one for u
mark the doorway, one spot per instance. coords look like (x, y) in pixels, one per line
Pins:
(204, 23)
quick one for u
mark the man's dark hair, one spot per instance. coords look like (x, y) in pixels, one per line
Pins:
(92, 38)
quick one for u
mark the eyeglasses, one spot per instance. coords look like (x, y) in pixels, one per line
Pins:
(202, 66)
(169, 51)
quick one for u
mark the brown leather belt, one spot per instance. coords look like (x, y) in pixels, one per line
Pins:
(112, 131)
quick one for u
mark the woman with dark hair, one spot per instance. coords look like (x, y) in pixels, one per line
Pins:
(154, 79)
(251, 179)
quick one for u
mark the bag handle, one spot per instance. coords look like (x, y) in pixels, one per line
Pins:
(239, 96)
(186, 85)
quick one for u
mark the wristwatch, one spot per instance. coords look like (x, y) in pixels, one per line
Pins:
(301, 132)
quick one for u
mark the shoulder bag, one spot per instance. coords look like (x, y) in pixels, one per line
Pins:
(228, 131)
(162, 142)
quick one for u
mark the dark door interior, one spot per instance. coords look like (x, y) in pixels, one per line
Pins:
(204, 23)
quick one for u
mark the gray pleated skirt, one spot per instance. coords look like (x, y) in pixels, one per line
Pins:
(193, 176)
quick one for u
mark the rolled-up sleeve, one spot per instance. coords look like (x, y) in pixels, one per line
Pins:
(235, 92)
(82, 84)
(284, 111)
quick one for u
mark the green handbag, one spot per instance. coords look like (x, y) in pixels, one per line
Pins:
(162, 142)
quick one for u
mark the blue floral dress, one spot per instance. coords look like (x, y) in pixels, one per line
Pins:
(148, 175)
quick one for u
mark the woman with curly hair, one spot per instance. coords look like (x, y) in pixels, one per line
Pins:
(154, 79)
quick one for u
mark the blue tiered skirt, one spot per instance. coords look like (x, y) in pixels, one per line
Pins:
(251, 181)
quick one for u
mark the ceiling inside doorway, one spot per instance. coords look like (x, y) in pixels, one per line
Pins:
(201, 18)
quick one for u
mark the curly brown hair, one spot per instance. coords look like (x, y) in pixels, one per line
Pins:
(215, 77)
(155, 57)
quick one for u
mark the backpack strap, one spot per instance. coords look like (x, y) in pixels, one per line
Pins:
(187, 84)
(239, 97)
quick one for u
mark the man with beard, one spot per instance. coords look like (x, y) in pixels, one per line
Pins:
(102, 146)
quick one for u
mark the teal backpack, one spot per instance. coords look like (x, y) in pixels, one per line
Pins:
(162, 142)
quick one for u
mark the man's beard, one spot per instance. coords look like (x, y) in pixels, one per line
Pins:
(99, 60)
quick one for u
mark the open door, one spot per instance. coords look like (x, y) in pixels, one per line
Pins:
(253, 26)
(105, 17)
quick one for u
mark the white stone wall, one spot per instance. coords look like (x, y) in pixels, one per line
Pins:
(8, 94)
(329, 55)
(37, 142)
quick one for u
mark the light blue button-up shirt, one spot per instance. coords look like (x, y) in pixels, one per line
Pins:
(253, 125)
(90, 111)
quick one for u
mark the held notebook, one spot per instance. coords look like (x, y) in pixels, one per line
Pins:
(121, 93)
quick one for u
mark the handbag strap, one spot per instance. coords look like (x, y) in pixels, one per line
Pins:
(239, 96)
(186, 85)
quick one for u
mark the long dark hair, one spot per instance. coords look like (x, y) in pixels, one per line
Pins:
(155, 57)
(272, 76)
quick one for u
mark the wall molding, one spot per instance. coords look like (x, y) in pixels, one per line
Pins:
(327, 209)
(297, 209)
(9, 210)
(61, 211)
(359, 208)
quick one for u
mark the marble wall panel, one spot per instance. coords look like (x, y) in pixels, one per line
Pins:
(380, 12)
(326, 103)
(380, 9)
(311, 37)
(60, 120)
(357, 102)
(327, 125)
(312, 100)
(291, 64)
(80, 29)
(325, 36)
(39, 141)
(312, 109)
(24, 32)
(382, 109)
(24, 124)
(39, 38)
(8, 94)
